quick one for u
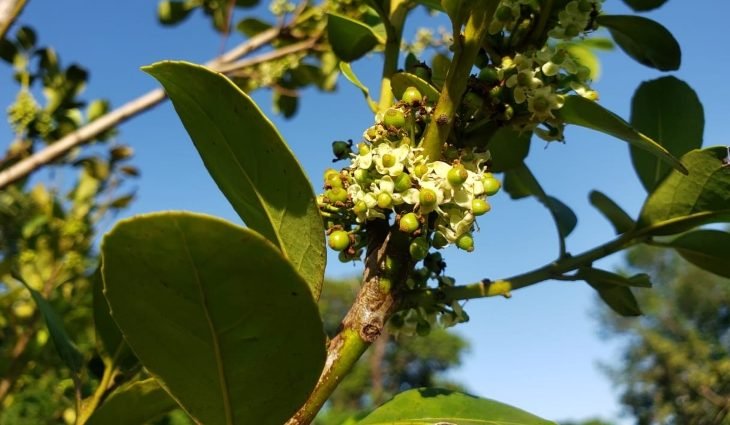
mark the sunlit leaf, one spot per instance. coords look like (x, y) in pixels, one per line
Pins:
(668, 111)
(216, 314)
(252, 165)
(619, 298)
(641, 280)
(347, 71)
(402, 80)
(350, 39)
(431, 406)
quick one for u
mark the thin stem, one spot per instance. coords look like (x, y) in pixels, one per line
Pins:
(394, 31)
(503, 287)
(110, 368)
(466, 51)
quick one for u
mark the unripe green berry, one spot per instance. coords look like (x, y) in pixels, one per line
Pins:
(340, 149)
(360, 208)
(336, 194)
(504, 14)
(384, 200)
(412, 96)
(423, 328)
(388, 160)
(480, 207)
(418, 249)
(434, 262)
(488, 75)
(427, 197)
(409, 223)
(394, 118)
(439, 240)
(491, 184)
(465, 242)
(403, 182)
(334, 180)
(420, 170)
(457, 176)
(473, 101)
(328, 173)
(339, 240)
(362, 177)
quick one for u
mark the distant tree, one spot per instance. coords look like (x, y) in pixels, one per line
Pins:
(676, 365)
(390, 367)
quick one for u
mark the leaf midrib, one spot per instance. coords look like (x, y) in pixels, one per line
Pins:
(225, 394)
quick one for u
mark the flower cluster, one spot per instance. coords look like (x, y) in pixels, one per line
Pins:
(576, 18)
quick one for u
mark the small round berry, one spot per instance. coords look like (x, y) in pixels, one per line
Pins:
(412, 96)
(504, 14)
(465, 242)
(362, 177)
(403, 182)
(491, 184)
(363, 148)
(420, 170)
(339, 240)
(434, 262)
(388, 160)
(394, 118)
(488, 75)
(384, 200)
(334, 180)
(360, 208)
(328, 173)
(418, 248)
(336, 194)
(427, 197)
(409, 223)
(439, 240)
(480, 207)
(457, 176)
(423, 328)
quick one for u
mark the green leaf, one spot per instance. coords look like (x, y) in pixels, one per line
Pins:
(508, 148)
(252, 165)
(438, 406)
(347, 71)
(350, 39)
(64, 346)
(519, 182)
(252, 26)
(641, 280)
(109, 339)
(134, 403)
(402, 80)
(620, 220)
(706, 249)
(682, 202)
(668, 111)
(458, 12)
(284, 104)
(644, 5)
(647, 41)
(172, 12)
(619, 298)
(589, 114)
(222, 295)
(432, 4)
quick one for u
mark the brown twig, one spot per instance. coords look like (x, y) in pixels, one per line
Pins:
(9, 12)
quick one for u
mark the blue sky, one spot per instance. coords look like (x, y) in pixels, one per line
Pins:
(538, 350)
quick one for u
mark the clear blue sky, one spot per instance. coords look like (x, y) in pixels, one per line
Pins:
(538, 350)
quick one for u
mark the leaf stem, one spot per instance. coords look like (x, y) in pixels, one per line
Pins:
(466, 50)
(88, 407)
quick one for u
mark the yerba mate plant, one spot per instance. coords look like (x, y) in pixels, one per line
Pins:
(224, 318)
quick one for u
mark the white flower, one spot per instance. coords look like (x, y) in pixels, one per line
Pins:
(389, 160)
(543, 102)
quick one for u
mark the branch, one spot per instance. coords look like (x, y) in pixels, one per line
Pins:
(129, 110)
(9, 12)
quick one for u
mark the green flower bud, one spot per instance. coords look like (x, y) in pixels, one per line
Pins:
(394, 118)
(473, 101)
(457, 175)
(388, 160)
(339, 240)
(418, 248)
(491, 184)
(360, 208)
(341, 150)
(336, 194)
(412, 96)
(480, 207)
(403, 182)
(362, 177)
(465, 242)
(363, 148)
(427, 197)
(384, 200)
(334, 180)
(439, 240)
(409, 223)
(420, 170)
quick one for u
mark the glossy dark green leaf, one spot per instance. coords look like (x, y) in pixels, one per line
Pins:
(135, 403)
(64, 346)
(216, 314)
(284, 104)
(431, 406)
(706, 249)
(172, 12)
(641, 280)
(668, 111)
(519, 182)
(619, 298)
(252, 26)
(402, 80)
(8, 50)
(109, 339)
(508, 148)
(681, 202)
(620, 220)
(644, 5)
(647, 41)
(350, 39)
(252, 165)
(586, 113)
